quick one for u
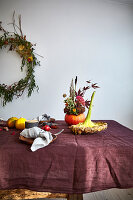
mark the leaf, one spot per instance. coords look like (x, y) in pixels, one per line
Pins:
(88, 81)
(86, 88)
(87, 103)
(95, 86)
(75, 82)
(10, 49)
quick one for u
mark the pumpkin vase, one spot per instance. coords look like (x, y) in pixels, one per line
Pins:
(74, 119)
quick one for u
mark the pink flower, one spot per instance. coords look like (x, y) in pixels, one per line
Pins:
(81, 100)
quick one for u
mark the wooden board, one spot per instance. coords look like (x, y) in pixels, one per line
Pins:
(30, 140)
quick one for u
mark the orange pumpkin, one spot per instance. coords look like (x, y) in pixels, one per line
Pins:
(74, 119)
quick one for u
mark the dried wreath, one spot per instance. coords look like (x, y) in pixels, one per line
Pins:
(17, 42)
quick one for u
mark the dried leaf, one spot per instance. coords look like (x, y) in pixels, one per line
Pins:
(86, 88)
(10, 49)
(72, 91)
(79, 92)
(87, 103)
(75, 81)
(88, 81)
(95, 86)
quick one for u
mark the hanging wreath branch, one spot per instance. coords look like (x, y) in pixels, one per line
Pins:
(17, 42)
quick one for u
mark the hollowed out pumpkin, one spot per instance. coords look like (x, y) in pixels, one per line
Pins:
(74, 119)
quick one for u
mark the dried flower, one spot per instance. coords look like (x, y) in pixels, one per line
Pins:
(81, 100)
(30, 59)
(21, 47)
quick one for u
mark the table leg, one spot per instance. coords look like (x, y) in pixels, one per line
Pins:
(75, 197)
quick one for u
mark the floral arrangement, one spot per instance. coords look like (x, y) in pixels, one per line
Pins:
(17, 42)
(75, 104)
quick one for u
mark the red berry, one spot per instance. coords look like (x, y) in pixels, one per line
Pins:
(54, 126)
(29, 60)
(6, 42)
(47, 128)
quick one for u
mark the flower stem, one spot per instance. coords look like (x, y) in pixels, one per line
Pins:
(88, 122)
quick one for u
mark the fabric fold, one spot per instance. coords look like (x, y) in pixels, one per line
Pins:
(42, 138)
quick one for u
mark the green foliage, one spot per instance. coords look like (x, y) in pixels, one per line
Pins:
(70, 106)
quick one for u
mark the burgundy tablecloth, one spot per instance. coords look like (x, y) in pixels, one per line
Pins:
(71, 164)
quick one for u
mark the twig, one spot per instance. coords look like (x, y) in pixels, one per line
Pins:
(13, 19)
(14, 25)
(2, 29)
(38, 55)
(20, 25)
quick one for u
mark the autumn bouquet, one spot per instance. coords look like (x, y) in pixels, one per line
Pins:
(75, 103)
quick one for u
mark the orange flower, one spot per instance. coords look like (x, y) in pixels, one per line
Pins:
(74, 109)
(21, 47)
(30, 59)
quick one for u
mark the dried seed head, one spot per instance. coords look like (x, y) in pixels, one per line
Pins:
(64, 95)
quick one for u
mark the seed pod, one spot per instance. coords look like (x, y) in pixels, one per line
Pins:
(64, 95)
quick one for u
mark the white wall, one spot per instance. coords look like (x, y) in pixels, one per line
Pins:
(92, 39)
